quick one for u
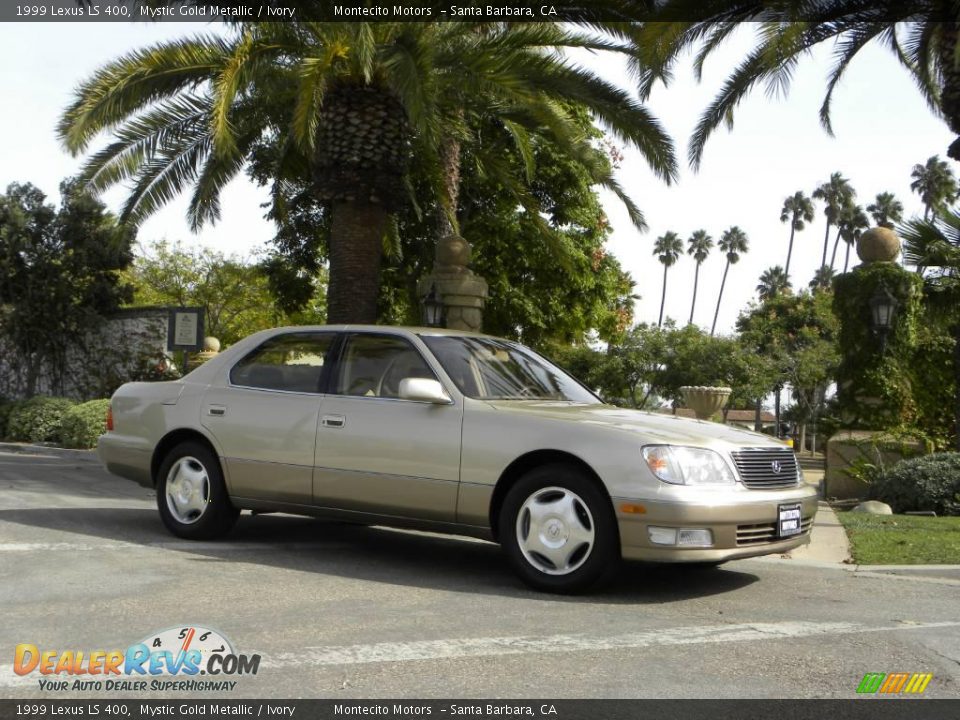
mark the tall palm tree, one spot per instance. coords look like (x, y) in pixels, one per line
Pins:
(668, 249)
(835, 193)
(852, 222)
(886, 210)
(773, 282)
(920, 34)
(798, 211)
(698, 245)
(348, 102)
(733, 243)
(936, 185)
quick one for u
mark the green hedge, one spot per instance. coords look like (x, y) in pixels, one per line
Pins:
(37, 419)
(83, 424)
(930, 482)
(6, 408)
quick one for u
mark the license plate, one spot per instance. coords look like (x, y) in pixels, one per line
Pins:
(788, 522)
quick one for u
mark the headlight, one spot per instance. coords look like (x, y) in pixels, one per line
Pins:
(687, 465)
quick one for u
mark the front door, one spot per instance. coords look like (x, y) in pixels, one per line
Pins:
(265, 419)
(377, 452)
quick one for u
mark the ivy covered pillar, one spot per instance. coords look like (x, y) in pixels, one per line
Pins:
(878, 306)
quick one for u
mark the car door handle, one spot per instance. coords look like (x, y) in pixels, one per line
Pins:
(333, 421)
(217, 410)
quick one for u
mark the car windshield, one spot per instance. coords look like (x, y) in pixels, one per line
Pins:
(488, 369)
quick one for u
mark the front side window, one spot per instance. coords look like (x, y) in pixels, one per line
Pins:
(374, 365)
(292, 362)
(489, 369)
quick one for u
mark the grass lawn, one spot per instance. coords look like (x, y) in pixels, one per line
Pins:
(902, 539)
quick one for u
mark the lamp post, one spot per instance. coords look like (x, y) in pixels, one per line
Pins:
(432, 308)
(883, 307)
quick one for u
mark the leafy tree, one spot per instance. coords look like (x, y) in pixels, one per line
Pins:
(732, 243)
(668, 248)
(58, 274)
(798, 211)
(936, 185)
(773, 282)
(236, 296)
(851, 224)
(796, 334)
(698, 246)
(835, 193)
(933, 246)
(346, 103)
(886, 210)
(921, 35)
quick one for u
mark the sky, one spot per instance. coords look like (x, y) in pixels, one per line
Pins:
(882, 129)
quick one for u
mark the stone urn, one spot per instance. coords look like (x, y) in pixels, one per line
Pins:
(211, 347)
(705, 400)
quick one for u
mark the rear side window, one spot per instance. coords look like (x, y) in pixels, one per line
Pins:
(292, 362)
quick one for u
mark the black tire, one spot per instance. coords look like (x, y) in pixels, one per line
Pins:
(208, 513)
(555, 486)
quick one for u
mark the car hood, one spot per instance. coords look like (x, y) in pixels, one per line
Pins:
(651, 427)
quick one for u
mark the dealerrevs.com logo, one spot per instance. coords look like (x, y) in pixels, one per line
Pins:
(169, 660)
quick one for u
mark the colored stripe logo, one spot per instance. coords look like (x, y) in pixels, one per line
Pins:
(894, 683)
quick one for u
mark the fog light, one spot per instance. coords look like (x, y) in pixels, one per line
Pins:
(662, 535)
(699, 537)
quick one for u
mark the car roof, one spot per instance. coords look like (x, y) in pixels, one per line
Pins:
(430, 331)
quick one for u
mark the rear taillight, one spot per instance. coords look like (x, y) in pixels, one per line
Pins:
(109, 418)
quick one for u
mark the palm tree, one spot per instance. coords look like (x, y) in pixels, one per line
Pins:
(733, 242)
(698, 245)
(935, 184)
(668, 249)
(921, 35)
(798, 210)
(773, 282)
(822, 278)
(835, 193)
(886, 210)
(347, 102)
(852, 222)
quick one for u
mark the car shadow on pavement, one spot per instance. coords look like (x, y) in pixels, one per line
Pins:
(376, 554)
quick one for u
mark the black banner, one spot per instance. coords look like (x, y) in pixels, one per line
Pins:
(854, 709)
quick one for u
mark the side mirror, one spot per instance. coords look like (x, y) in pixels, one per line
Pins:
(423, 390)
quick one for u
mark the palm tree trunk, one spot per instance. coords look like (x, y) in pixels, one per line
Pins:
(719, 298)
(836, 244)
(793, 230)
(356, 246)
(757, 419)
(663, 295)
(826, 245)
(696, 281)
(846, 260)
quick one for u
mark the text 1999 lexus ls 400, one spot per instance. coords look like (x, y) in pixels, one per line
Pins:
(452, 432)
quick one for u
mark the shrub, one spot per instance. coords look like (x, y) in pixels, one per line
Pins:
(38, 419)
(931, 482)
(83, 424)
(6, 408)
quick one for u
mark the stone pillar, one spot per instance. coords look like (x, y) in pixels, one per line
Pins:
(211, 347)
(462, 292)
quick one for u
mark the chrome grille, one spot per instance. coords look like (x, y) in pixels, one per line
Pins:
(767, 532)
(757, 467)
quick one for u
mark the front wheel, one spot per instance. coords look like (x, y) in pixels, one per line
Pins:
(191, 495)
(558, 530)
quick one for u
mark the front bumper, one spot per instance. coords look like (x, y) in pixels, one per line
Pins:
(743, 524)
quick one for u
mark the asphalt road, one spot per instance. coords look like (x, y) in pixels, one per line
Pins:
(340, 611)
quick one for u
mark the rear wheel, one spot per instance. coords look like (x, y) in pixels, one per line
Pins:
(191, 495)
(558, 530)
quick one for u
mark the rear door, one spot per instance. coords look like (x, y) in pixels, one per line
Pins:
(379, 453)
(265, 418)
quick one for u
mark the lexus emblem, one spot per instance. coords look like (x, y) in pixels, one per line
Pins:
(776, 467)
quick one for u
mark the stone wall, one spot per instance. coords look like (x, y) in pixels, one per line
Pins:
(128, 346)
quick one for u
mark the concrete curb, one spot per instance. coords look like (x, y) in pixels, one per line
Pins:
(31, 449)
